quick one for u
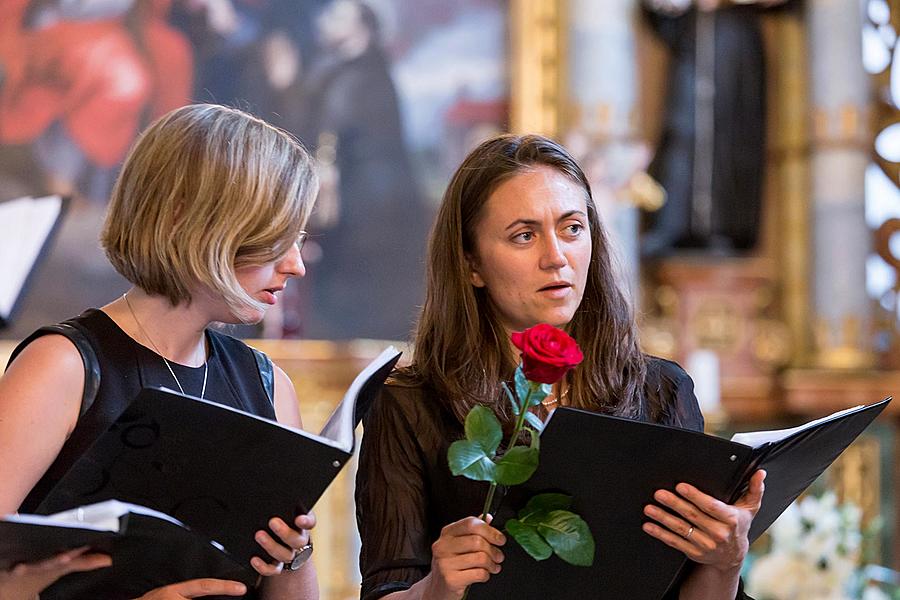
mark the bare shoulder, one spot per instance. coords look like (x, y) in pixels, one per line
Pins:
(49, 359)
(40, 400)
(287, 407)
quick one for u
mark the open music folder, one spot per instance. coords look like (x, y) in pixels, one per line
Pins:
(221, 472)
(146, 547)
(28, 227)
(612, 466)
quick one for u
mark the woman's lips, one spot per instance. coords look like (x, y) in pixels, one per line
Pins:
(556, 290)
(268, 295)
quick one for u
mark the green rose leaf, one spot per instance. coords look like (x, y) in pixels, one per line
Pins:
(517, 465)
(468, 458)
(512, 399)
(569, 536)
(534, 421)
(541, 504)
(524, 386)
(530, 540)
(483, 428)
(535, 438)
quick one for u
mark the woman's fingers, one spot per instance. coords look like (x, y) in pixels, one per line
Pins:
(307, 521)
(196, 588)
(468, 544)
(707, 530)
(694, 506)
(671, 539)
(292, 538)
(87, 562)
(466, 553)
(470, 561)
(277, 551)
(266, 569)
(752, 498)
(282, 549)
(67, 562)
(474, 526)
(691, 534)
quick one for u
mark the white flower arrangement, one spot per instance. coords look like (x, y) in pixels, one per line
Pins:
(814, 555)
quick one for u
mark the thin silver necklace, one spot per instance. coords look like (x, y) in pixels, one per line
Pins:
(168, 366)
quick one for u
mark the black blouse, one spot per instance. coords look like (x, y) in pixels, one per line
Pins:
(405, 493)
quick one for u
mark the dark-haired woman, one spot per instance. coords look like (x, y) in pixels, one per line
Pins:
(517, 242)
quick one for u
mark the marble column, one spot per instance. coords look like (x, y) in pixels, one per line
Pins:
(600, 122)
(839, 154)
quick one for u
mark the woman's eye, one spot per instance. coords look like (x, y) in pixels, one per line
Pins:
(574, 229)
(525, 236)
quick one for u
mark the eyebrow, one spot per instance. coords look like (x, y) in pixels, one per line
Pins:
(562, 217)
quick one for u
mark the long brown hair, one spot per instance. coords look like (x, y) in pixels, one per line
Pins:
(461, 349)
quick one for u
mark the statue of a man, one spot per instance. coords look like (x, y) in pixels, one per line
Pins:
(711, 150)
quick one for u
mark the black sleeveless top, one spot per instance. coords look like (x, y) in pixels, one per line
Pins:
(238, 377)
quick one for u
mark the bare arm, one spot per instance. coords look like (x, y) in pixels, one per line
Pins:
(40, 398)
(303, 583)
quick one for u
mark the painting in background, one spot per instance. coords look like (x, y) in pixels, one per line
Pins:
(389, 95)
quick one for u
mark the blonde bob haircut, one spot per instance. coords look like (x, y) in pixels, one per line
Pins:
(207, 189)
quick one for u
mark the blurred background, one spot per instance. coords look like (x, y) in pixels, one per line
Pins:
(745, 155)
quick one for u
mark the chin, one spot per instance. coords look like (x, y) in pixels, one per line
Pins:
(247, 316)
(560, 320)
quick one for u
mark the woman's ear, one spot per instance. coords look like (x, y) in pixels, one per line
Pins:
(474, 275)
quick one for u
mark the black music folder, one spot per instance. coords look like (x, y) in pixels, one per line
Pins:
(222, 472)
(612, 466)
(148, 549)
(28, 227)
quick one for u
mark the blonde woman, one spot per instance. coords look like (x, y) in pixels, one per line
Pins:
(206, 222)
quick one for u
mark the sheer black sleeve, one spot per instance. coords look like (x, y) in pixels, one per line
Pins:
(669, 396)
(391, 503)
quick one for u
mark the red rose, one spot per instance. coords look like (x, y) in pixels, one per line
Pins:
(547, 352)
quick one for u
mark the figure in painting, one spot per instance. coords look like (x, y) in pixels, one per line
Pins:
(80, 79)
(711, 149)
(371, 220)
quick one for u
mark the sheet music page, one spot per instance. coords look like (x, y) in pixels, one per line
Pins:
(340, 427)
(25, 224)
(756, 439)
(101, 516)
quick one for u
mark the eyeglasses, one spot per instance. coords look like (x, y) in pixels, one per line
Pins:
(301, 239)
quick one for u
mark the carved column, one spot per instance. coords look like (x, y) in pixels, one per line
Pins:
(839, 155)
(600, 120)
(538, 43)
(788, 211)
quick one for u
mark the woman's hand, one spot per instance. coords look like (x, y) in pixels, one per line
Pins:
(466, 553)
(282, 550)
(196, 588)
(26, 580)
(707, 530)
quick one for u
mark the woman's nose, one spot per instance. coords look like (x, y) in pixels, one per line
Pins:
(553, 256)
(292, 263)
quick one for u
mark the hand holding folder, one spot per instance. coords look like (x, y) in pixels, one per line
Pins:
(143, 544)
(220, 472)
(612, 467)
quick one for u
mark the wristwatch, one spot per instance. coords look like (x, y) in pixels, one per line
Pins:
(300, 557)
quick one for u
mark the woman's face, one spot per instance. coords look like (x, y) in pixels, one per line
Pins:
(263, 282)
(533, 248)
